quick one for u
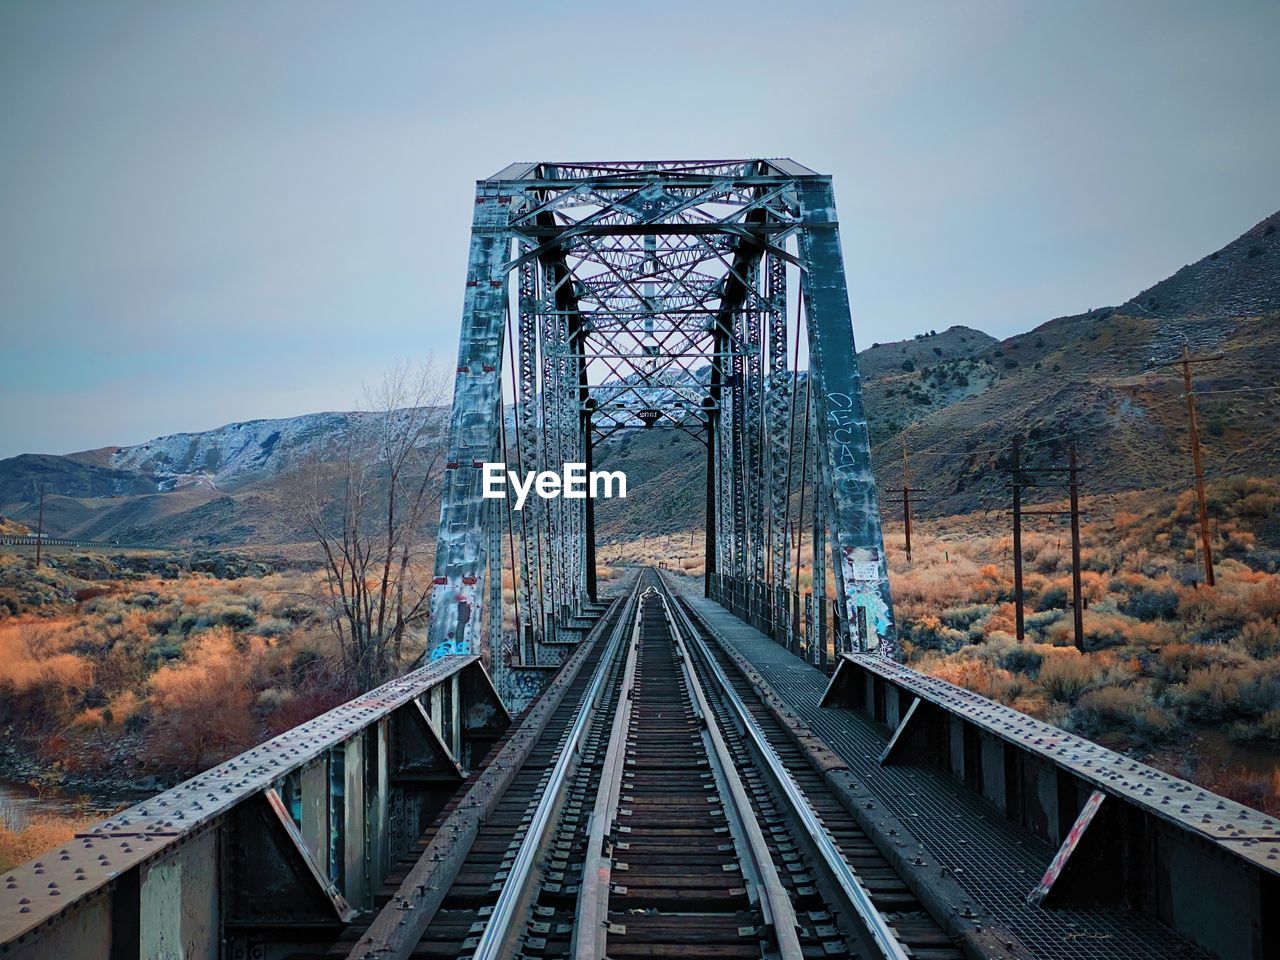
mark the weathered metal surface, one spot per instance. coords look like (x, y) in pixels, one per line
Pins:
(399, 925)
(36, 899)
(843, 441)
(178, 909)
(1247, 834)
(461, 547)
(945, 897)
(1063, 857)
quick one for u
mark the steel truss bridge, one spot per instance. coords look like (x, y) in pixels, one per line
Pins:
(662, 766)
(672, 295)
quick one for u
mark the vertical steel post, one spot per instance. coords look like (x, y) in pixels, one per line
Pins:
(777, 393)
(843, 440)
(531, 441)
(473, 432)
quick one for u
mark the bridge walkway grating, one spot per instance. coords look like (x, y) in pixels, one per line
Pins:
(997, 861)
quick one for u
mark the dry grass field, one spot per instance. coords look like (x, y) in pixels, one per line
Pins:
(131, 677)
(1184, 676)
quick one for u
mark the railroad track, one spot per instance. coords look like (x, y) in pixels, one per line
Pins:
(659, 815)
(880, 890)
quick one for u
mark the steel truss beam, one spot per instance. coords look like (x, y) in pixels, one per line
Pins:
(656, 293)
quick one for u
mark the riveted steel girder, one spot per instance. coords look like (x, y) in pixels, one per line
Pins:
(843, 440)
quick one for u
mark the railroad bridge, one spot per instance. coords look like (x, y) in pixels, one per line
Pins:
(726, 766)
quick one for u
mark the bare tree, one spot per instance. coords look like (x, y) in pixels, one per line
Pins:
(369, 503)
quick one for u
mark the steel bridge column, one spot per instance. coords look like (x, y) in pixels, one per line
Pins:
(710, 540)
(473, 433)
(778, 390)
(844, 447)
(531, 442)
(818, 642)
(497, 635)
(738, 427)
(554, 361)
(753, 398)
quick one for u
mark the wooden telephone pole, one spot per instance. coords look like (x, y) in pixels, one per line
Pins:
(906, 500)
(1017, 472)
(1193, 424)
(40, 526)
(1016, 476)
(1202, 505)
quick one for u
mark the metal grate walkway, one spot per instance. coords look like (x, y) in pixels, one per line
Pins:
(997, 861)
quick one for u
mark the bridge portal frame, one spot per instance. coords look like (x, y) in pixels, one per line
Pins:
(649, 293)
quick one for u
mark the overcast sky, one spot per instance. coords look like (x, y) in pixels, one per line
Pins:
(222, 211)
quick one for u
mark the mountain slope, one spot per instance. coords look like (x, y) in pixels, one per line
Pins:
(1101, 380)
(1241, 279)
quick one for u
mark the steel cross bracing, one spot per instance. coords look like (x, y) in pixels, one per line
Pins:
(655, 294)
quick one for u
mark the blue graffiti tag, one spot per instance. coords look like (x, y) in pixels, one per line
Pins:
(451, 648)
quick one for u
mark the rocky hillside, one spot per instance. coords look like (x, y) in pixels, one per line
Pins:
(13, 528)
(224, 487)
(1240, 280)
(1097, 379)
(233, 455)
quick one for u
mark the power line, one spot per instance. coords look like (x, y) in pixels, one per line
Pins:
(1218, 393)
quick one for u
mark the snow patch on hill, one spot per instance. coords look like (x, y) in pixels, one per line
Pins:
(236, 452)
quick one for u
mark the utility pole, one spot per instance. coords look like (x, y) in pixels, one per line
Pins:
(1073, 488)
(40, 526)
(1076, 600)
(907, 491)
(1016, 476)
(1185, 362)
(906, 499)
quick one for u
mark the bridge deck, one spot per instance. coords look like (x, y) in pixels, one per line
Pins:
(997, 861)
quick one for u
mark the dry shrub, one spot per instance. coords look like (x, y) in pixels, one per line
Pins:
(1124, 521)
(91, 718)
(1051, 560)
(204, 702)
(1212, 612)
(1259, 791)
(1264, 599)
(1065, 674)
(930, 633)
(990, 583)
(979, 676)
(1260, 638)
(1221, 692)
(1002, 620)
(85, 594)
(40, 833)
(1107, 708)
(1176, 660)
(1266, 728)
(124, 706)
(1106, 629)
(31, 657)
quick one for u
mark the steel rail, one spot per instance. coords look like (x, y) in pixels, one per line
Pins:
(884, 936)
(592, 916)
(495, 937)
(774, 901)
